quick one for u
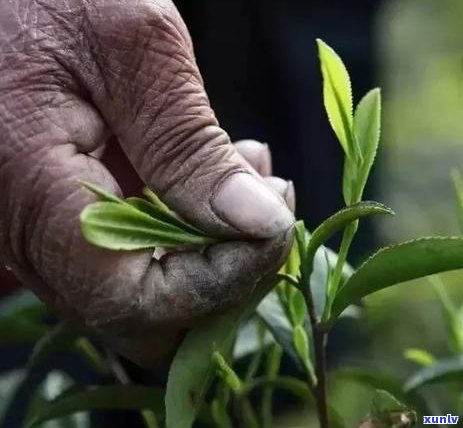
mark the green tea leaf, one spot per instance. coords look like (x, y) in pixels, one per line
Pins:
(324, 261)
(299, 309)
(288, 279)
(121, 227)
(227, 374)
(340, 220)
(337, 96)
(450, 315)
(273, 315)
(127, 397)
(445, 370)
(149, 419)
(154, 199)
(397, 264)
(302, 345)
(192, 368)
(388, 412)
(335, 419)
(148, 208)
(101, 193)
(163, 214)
(301, 243)
(302, 240)
(420, 357)
(367, 127)
(349, 181)
(135, 223)
(384, 401)
(292, 265)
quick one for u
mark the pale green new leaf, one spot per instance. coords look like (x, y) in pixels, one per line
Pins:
(367, 129)
(398, 264)
(135, 223)
(154, 199)
(337, 96)
(119, 226)
(227, 374)
(162, 214)
(301, 343)
(349, 180)
(420, 357)
(299, 309)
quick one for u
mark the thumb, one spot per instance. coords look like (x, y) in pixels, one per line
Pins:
(157, 107)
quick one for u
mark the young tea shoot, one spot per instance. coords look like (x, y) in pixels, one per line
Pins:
(136, 223)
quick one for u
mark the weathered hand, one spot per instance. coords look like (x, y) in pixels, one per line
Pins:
(73, 73)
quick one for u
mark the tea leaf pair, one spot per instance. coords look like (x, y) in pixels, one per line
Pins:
(359, 132)
(397, 264)
(136, 223)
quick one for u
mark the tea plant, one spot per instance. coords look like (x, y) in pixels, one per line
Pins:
(292, 313)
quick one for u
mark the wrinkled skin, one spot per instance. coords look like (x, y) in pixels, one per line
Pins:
(74, 74)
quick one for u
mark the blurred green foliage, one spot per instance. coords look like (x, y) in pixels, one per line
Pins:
(420, 60)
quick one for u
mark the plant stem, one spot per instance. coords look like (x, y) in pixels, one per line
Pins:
(335, 281)
(347, 238)
(320, 339)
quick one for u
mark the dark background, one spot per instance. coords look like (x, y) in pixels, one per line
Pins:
(260, 67)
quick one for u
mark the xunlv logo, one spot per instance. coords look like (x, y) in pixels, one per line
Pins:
(441, 420)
